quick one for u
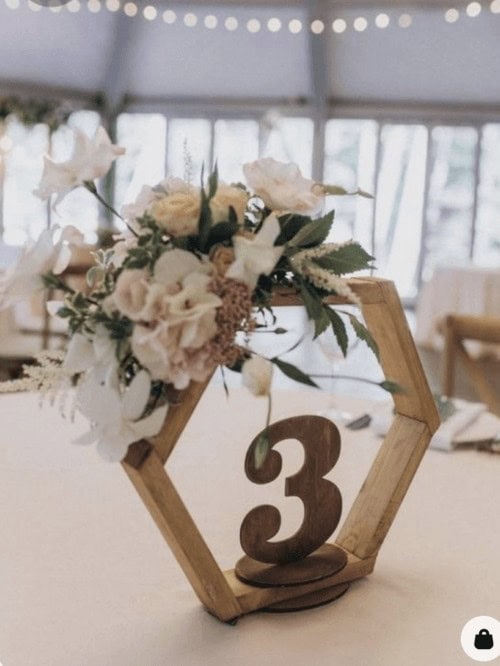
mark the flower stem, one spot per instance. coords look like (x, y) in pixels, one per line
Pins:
(90, 186)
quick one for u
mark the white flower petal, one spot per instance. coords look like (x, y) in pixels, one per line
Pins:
(175, 265)
(100, 404)
(112, 449)
(151, 425)
(136, 396)
(88, 438)
(79, 355)
(257, 374)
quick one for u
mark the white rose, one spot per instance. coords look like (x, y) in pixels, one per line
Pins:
(282, 187)
(257, 374)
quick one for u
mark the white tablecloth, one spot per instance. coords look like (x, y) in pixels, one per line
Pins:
(86, 578)
(469, 290)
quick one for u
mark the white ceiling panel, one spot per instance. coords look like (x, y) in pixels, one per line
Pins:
(63, 49)
(176, 60)
(430, 61)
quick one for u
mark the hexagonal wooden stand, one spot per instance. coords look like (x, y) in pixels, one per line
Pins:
(374, 509)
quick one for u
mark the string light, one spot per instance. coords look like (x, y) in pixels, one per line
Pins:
(274, 25)
(150, 13)
(210, 21)
(339, 25)
(94, 6)
(452, 15)
(295, 26)
(252, 25)
(382, 20)
(317, 27)
(190, 20)
(231, 23)
(360, 24)
(130, 9)
(405, 21)
(473, 9)
(169, 17)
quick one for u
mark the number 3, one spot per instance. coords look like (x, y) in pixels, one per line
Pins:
(321, 498)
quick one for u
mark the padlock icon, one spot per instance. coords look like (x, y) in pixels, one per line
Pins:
(483, 640)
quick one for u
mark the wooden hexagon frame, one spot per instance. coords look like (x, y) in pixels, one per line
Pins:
(375, 507)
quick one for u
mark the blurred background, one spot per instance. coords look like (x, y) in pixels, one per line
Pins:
(399, 98)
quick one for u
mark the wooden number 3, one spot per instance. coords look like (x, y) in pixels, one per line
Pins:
(321, 498)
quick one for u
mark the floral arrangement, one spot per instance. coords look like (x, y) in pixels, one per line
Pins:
(182, 288)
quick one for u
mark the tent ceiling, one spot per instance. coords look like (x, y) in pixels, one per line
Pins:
(431, 61)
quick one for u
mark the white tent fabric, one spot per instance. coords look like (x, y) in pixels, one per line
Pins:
(431, 60)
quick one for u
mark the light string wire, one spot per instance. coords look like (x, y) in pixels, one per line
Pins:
(190, 19)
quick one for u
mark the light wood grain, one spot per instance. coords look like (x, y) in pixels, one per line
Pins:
(389, 478)
(457, 329)
(180, 532)
(179, 413)
(374, 509)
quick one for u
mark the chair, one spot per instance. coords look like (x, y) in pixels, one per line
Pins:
(458, 328)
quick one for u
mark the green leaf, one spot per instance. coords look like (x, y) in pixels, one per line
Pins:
(290, 226)
(261, 449)
(213, 182)
(363, 334)
(205, 221)
(338, 327)
(312, 301)
(345, 259)
(314, 233)
(293, 372)
(314, 308)
(391, 387)
(337, 190)
(221, 232)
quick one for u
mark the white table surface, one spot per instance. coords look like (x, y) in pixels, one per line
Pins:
(86, 578)
(456, 290)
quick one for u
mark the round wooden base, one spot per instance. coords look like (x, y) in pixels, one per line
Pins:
(322, 563)
(311, 600)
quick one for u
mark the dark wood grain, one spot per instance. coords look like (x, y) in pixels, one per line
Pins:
(321, 498)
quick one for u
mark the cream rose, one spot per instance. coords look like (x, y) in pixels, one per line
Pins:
(177, 213)
(226, 196)
(282, 187)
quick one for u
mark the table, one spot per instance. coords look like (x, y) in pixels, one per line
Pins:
(460, 290)
(86, 578)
